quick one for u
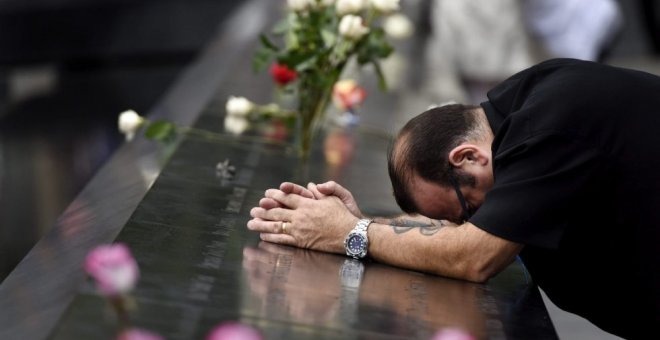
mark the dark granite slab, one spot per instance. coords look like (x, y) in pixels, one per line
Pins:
(201, 266)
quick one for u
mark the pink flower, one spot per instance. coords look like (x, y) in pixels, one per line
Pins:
(346, 94)
(452, 334)
(138, 334)
(113, 267)
(233, 331)
(282, 74)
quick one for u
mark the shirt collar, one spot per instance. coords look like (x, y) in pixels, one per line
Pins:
(494, 117)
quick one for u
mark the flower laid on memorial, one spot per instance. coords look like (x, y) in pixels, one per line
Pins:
(306, 54)
(347, 95)
(239, 113)
(138, 334)
(282, 74)
(233, 331)
(452, 334)
(116, 272)
(398, 26)
(130, 122)
(113, 268)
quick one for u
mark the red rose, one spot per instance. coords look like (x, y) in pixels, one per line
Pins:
(282, 74)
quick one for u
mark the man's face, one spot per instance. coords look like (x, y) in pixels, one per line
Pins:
(441, 202)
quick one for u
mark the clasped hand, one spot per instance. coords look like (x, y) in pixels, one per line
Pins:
(317, 217)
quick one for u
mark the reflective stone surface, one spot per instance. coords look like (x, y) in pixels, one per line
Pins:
(201, 266)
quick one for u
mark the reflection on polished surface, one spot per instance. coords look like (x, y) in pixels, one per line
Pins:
(292, 284)
(312, 288)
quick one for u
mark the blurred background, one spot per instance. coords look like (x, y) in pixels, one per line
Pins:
(68, 67)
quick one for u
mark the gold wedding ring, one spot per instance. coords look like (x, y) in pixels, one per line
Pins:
(284, 227)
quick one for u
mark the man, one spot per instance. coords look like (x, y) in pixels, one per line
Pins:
(561, 166)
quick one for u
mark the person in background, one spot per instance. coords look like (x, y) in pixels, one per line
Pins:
(473, 45)
(580, 29)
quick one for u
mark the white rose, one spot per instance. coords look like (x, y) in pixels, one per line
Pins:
(236, 124)
(385, 6)
(349, 6)
(299, 5)
(129, 123)
(238, 106)
(398, 26)
(352, 27)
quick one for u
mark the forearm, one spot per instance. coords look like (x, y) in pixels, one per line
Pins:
(418, 243)
(438, 247)
(413, 242)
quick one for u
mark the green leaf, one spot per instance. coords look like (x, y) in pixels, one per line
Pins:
(161, 130)
(281, 26)
(290, 122)
(262, 58)
(329, 37)
(382, 82)
(291, 40)
(307, 64)
(373, 47)
(267, 43)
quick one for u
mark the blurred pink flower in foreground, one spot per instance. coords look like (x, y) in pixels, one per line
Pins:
(138, 334)
(452, 334)
(234, 331)
(113, 267)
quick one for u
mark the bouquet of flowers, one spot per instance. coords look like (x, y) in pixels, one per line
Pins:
(306, 54)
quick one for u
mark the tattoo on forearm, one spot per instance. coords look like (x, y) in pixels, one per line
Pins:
(400, 226)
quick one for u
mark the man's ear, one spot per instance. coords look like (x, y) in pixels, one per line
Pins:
(467, 154)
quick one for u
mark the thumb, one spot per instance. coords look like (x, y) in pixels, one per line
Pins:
(315, 191)
(333, 188)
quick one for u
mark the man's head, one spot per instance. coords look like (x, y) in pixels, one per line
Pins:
(438, 156)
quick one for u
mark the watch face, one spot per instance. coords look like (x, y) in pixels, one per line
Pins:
(356, 244)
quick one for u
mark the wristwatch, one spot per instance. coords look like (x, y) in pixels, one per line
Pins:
(356, 242)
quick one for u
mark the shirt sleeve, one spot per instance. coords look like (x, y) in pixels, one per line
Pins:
(538, 186)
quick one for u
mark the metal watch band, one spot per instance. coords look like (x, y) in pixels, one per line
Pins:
(362, 225)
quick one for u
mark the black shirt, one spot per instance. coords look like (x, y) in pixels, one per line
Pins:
(576, 164)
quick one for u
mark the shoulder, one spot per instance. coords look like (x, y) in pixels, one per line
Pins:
(560, 80)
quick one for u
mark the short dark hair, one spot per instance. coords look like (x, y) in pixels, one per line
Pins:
(422, 147)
